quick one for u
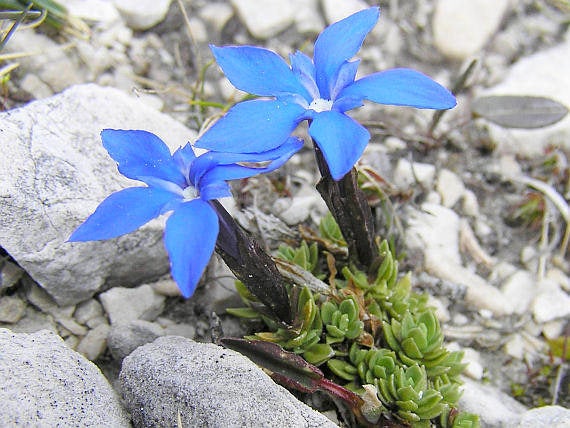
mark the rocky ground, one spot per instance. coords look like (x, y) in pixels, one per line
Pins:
(479, 210)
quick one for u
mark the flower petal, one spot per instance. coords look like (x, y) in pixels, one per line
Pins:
(402, 87)
(231, 166)
(345, 76)
(190, 238)
(122, 212)
(304, 69)
(257, 70)
(340, 42)
(341, 139)
(252, 127)
(140, 154)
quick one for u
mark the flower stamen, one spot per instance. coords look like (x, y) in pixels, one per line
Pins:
(318, 105)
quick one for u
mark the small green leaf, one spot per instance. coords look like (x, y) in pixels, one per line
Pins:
(318, 353)
(247, 313)
(514, 111)
(560, 347)
(342, 369)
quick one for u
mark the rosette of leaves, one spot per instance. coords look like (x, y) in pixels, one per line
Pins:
(386, 295)
(305, 256)
(304, 335)
(329, 230)
(407, 393)
(342, 320)
(418, 339)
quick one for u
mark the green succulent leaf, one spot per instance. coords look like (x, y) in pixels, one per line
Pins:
(342, 369)
(318, 353)
(247, 313)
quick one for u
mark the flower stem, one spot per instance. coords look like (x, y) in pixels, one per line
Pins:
(348, 205)
(252, 265)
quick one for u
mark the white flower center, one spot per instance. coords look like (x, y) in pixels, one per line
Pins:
(318, 105)
(190, 193)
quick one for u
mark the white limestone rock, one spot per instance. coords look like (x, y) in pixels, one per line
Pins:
(142, 14)
(94, 343)
(12, 309)
(45, 383)
(520, 290)
(450, 187)
(462, 27)
(203, 384)
(54, 68)
(265, 18)
(125, 338)
(119, 304)
(54, 172)
(546, 417)
(407, 173)
(336, 10)
(495, 408)
(551, 304)
(435, 231)
(545, 73)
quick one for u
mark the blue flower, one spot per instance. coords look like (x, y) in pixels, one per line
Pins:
(320, 90)
(179, 182)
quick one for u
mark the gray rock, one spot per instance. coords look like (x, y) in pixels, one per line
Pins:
(94, 343)
(205, 385)
(265, 18)
(142, 15)
(125, 338)
(12, 309)
(335, 10)
(450, 187)
(10, 274)
(87, 311)
(50, 62)
(435, 231)
(495, 409)
(32, 321)
(118, 303)
(61, 314)
(54, 172)
(44, 383)
(539, 74)
(546, 417)
(471, 22)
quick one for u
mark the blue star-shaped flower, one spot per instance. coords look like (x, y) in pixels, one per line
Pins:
(179, 182)
(320, 90)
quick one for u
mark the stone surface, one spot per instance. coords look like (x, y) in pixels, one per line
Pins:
(450, 187)
(53, 69)
(462, 27)
(551, 304)
(520, 289)
(265, 18)
(435, 230)
(205, 385)
(94, 343)
(53, 174)
(87, 311)
(546, 417)
(539, 75)
(495, 409)
(407, 173)
(336, 10)
(44, 383)
(125, 338)
(12, 309)
(142, 14)
(118, 304)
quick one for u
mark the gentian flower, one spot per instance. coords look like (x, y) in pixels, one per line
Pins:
(320, 90)
(179, 182)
